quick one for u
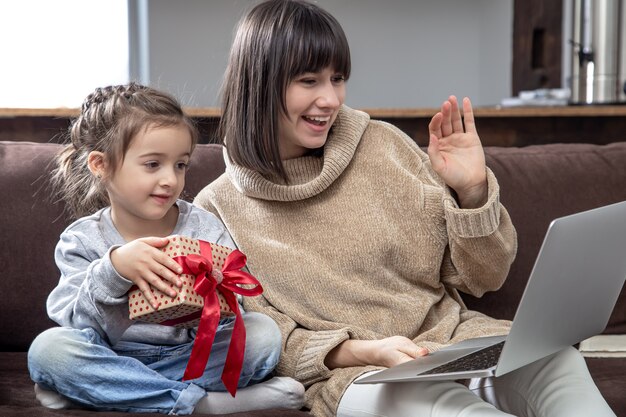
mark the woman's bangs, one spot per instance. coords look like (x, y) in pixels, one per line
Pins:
(320, 48)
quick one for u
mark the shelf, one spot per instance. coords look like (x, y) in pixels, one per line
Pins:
(73, 112)
(497, 126)
(383, 113)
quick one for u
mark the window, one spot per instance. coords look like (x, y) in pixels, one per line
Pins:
(57, 52)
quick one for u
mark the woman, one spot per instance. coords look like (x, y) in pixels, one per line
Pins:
(362, 241)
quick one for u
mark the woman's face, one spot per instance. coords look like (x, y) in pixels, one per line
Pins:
(312, 100)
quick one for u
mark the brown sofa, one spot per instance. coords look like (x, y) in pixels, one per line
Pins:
(538, 184)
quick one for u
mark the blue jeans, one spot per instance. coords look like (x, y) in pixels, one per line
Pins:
(137, 377)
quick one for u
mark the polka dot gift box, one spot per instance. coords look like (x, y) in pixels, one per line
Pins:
(212, 276)
(185, 309)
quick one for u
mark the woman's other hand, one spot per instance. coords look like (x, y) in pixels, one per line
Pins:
(386, 352)
(456, 153)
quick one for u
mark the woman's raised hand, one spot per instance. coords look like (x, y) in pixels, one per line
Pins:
(456, 153)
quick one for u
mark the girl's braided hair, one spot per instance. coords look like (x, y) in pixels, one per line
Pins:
(109, 119)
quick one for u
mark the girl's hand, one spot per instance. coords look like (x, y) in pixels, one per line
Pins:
(141, 262)
(386, 352)
(456, 153)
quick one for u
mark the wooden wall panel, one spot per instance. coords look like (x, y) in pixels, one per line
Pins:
(537, 44)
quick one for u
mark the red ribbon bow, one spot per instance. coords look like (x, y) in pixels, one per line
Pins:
(202, 267)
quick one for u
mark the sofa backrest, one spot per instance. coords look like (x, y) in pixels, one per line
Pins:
(538, 183)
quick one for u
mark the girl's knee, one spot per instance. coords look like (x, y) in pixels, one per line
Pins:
(56, 347)
(48, 351)
(49, 342)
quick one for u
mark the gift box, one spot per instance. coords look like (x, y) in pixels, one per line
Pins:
(185, 308)
(212, 275)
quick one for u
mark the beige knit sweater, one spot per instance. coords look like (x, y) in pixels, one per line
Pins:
(365, 242)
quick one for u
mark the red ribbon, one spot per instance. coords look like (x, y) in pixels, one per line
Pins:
(202, 267)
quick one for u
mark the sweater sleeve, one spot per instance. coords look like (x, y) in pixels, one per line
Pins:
(482, 243)
(303, 351)
(90, 292)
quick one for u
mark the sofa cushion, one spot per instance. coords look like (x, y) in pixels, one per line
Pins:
(31, 224)
(540, 183)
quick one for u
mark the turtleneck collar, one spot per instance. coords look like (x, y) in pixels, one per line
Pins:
(308, 175)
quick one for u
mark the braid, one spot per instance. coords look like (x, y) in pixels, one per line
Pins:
(109, 118)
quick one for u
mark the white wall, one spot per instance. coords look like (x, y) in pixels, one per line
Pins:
(405, 53)
(54, 53)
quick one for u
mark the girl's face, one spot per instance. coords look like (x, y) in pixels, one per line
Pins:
(312, 101)
(149, 180)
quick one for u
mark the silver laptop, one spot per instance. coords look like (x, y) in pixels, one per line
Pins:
(570, 295)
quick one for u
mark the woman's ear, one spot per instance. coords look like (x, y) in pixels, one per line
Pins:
(97, 163)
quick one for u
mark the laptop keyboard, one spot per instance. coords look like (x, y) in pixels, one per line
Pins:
(481, 359)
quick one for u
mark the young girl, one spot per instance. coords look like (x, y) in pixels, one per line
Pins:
(365, 240)
(130, 148)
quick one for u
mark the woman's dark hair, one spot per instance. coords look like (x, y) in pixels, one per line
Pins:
(110, 118)
(274, 43)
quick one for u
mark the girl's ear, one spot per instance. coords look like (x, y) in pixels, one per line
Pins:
(97, 163)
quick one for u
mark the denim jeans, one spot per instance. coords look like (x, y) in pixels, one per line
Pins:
(136, 377)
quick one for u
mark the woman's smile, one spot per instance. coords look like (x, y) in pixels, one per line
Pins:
(317, 120)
